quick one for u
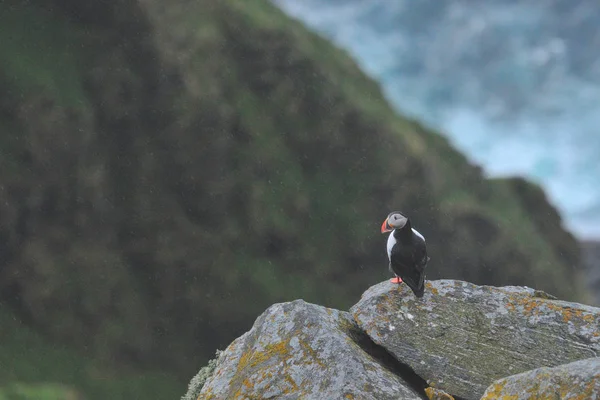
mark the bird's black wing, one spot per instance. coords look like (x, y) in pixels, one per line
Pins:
(408, 261)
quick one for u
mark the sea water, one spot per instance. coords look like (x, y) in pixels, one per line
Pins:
(514, 84)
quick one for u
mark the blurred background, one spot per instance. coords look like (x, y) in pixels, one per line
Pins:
(168, 170)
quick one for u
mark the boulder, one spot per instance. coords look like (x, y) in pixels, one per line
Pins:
(461, 337)
(300, 350)
(573, 381)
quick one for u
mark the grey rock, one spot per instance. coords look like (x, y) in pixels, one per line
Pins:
(574, 381)
(299, 350)
(461, 337)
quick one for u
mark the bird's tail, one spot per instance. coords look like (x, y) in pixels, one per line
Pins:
(418, 288)
(419, 292)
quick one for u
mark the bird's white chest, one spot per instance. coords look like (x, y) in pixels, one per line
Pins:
(390, 243)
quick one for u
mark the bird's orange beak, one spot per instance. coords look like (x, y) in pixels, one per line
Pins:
(385, 227)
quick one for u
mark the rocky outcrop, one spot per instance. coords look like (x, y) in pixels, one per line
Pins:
(457, 341)
(461, 337)
(573, 381)
(300, 350)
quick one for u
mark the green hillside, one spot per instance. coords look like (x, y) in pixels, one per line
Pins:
(170, 169)
(33, 368)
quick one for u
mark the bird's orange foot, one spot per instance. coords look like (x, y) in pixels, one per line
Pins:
(397, 280)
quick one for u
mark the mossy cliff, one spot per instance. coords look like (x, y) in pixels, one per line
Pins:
(35, 368)
(169, 169)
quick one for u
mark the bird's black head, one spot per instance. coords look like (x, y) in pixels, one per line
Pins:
(395, 220)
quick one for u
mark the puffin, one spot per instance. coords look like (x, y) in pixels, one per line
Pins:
(407, 252)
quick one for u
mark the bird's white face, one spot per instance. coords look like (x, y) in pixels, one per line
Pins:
(394, 221)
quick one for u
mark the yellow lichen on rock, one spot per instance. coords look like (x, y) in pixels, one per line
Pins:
(494, 392)
(254, 357)
(437, 394)
(578, 380)
(535, 306)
